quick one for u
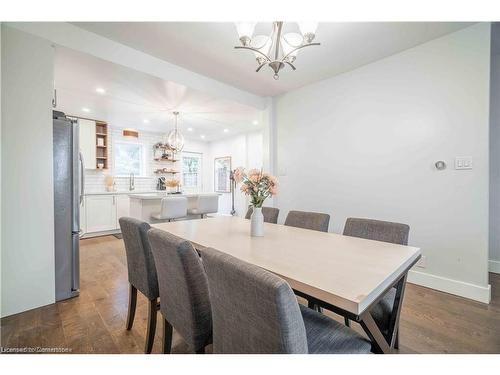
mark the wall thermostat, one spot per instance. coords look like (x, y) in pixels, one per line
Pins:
(440, 165)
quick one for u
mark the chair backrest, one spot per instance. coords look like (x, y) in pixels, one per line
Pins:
(308, 220)
(270, 214)
(208, 203)
(185, 302)
(173, 207)
(377, 230)
(140, 261)
(253, 310)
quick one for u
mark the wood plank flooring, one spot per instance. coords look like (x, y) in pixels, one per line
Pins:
(94, 322)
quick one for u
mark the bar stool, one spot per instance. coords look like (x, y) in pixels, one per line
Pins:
(206, 204)
(171, 208)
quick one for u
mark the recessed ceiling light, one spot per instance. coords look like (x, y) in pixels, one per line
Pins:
(85, 109)
(202, 136)
(255, 122)
(226, 130)
(100, 90)
(146, 121)
(190, 129)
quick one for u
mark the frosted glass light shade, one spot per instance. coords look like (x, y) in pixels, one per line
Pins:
(175, 140)
(290, 41)
(245, 29)
(308, 27)
(263, 43)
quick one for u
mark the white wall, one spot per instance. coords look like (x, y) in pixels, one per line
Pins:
(27, 186)
(495, 152)
(363, 144)
(246, 150)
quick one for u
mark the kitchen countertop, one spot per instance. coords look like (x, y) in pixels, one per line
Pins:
(160, 195)
(125, 192)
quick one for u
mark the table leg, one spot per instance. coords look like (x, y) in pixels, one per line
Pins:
(385, 343)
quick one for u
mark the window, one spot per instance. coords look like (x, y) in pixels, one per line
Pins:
(129, 158)
(191, 172)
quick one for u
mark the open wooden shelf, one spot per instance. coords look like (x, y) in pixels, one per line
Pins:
(101, 132)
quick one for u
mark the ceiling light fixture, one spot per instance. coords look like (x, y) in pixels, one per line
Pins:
(175, 139)
(255, 122)
(202, 136)
(226, 130)
(100, 90)
(189, 129)
(85, 109)
(146, 121)
(276, 50)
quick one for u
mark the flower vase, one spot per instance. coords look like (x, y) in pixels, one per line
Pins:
(257, 223)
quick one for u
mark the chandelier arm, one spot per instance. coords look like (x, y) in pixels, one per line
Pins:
(260, 67)
(254, 50)
(291, 65)
(299, 47)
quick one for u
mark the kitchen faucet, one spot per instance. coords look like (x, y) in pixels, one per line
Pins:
(131, 185)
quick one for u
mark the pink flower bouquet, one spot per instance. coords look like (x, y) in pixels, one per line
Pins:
(256, 184)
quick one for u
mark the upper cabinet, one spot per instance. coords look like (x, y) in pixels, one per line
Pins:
(87, 129)
(94, 143)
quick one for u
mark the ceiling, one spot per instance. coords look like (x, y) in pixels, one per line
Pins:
(207, 48)
(137, 100)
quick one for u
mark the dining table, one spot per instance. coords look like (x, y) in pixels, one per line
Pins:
(347, 275)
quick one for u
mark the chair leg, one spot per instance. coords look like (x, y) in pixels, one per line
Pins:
(150, 334)
(201, 351)
(132, 303)
(347, 322)
(311, 305)
(167, 337)
(396, 342)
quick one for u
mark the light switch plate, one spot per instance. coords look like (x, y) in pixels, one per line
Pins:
(463, 162)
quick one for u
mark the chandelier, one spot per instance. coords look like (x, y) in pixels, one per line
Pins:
(175, 139)
(276, 50)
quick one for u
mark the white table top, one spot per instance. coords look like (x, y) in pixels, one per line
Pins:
(344, 271)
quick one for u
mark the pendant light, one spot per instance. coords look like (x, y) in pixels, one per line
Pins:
(175, 139)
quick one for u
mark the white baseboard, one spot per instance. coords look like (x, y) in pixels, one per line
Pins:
(459, 288)
(494, 266)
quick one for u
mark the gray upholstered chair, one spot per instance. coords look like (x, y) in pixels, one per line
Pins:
(379, 231)
(185, 303)
(270, 214)
(308, 220)
(141, 273)
(255, 311)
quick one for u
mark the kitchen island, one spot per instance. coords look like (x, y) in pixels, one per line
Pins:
(142, 206)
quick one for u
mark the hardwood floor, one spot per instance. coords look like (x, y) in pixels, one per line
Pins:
(94, 322)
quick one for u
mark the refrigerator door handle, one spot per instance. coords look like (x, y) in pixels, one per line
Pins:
(82, 176)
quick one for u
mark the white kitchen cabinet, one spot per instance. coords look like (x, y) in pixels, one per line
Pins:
(101, 213)
(122, 208)
(87, 137)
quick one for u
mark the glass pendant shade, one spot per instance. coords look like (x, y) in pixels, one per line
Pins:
(245, 29)
(175, 139)
(308, 27)
(262, 43)
(291, 41)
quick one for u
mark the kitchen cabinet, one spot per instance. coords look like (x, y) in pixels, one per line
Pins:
(101, 213)
(122, 208)
(87, 132)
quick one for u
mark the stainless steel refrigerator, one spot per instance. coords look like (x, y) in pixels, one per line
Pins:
(68, 194)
